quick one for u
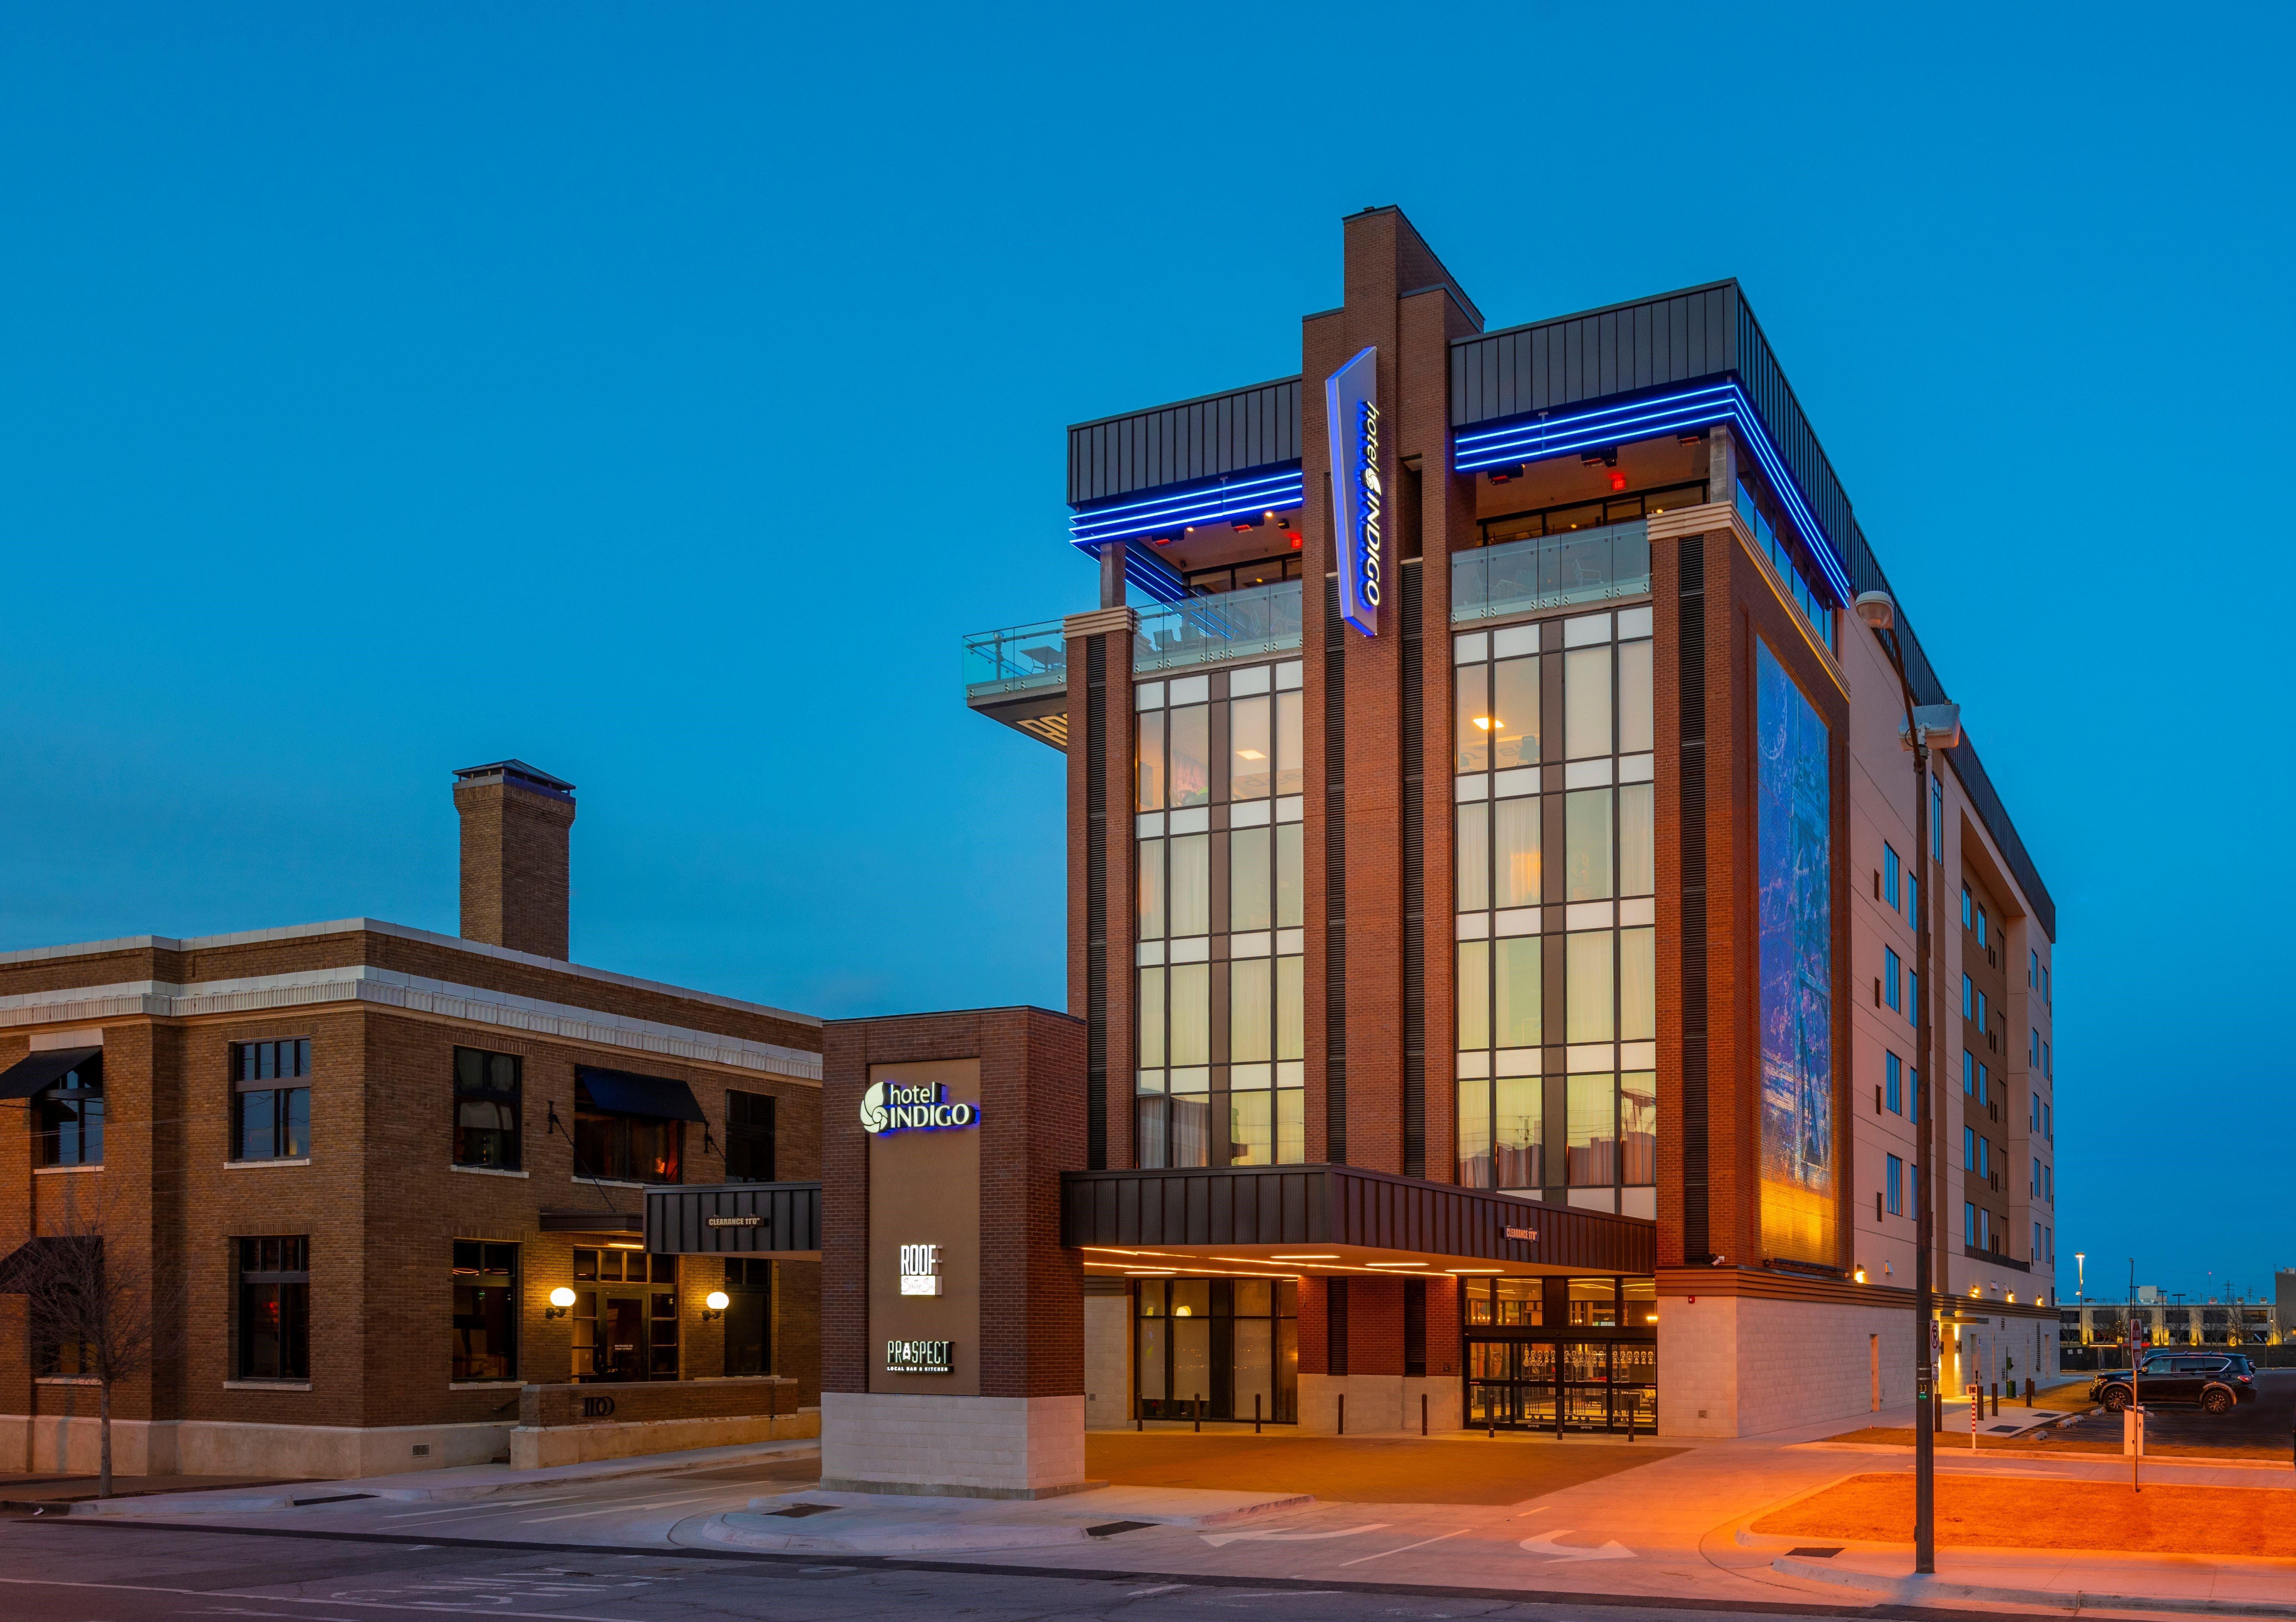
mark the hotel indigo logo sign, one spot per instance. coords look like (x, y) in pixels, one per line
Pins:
(888, 1107)
(1358, 492)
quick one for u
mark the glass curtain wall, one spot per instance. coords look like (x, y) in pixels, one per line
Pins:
(1556, 959)
(1579, 1356)
(1217, 1348)
(1218, 794)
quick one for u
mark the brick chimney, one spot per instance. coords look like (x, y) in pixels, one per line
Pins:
(517, 824)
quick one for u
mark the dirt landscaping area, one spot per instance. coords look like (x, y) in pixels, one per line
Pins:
(1468, 1470)
(2013, 1512)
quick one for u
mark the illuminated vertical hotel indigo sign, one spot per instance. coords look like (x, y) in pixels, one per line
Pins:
(1358, 493)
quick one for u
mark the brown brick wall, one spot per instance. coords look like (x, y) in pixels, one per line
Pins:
(1031, 1130)
(686, 1399)
(516, 848)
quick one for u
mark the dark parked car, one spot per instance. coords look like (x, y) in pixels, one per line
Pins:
(2215, 1381)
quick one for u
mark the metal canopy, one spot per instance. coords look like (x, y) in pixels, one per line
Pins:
(764, 1219)
(620, 1092)
(1338, 1220)
(28, 1076)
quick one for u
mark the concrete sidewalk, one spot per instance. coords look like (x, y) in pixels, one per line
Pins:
(454, 1484)
(866, 1523)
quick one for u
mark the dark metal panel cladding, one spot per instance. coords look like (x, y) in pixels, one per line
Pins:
(1180, 443)
(1335, 1205)
(677, 1219)
(1648, 344)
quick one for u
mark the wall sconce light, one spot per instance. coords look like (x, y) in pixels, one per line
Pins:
(1860, 1275)
(560, 1299)
(715, 1303)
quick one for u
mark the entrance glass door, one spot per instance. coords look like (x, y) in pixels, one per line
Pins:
(1517, 1383)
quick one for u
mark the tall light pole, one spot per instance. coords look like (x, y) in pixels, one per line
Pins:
(2080, 1275)
(1927, 727)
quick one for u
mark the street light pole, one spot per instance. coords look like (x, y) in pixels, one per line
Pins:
(1924, 723)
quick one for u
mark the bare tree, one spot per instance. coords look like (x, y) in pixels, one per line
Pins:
(96, 1307)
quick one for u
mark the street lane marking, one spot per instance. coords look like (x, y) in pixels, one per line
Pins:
(1545, 1544)
(1219, 1539)
(1407, 1548)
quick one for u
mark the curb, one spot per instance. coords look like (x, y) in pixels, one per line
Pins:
(721, 1530)
(1920, 1589)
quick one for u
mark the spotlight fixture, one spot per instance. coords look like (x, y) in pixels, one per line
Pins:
(1503, 475)
(1243, 522)
(1607, 459)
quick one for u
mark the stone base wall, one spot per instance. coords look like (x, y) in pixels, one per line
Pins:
(1378, 1404)
(967, 1446)
(210, 1447)
(534, 1447)
(1740, 1366)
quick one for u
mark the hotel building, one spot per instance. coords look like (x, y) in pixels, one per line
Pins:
(1521, 816)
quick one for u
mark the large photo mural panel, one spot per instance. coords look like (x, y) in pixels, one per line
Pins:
(1794, 913)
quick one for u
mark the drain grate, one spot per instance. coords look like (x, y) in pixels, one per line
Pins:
(1110, 1529)
(1816, 1554)
(2000, 1430)
(797, 1512)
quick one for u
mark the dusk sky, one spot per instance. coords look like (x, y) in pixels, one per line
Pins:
(657, 394)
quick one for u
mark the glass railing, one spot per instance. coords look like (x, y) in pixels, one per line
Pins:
(1021, 659)
(1551, 572)
(1243, 624)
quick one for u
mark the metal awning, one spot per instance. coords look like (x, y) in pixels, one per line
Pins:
(35, 1254)
(768, 1219)
(620, 1092)
(1335, 1220)
(29, 1075)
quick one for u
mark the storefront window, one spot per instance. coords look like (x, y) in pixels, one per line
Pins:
(625, 1315)
(485, 1311)
(1226, 1344)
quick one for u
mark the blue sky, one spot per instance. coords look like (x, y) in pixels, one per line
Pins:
(657, 394)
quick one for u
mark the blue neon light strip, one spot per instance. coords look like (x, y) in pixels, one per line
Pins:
(1162, 514)
(1558, 434)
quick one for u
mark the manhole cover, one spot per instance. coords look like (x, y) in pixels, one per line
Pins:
(797, 1512)
(1815, 1554)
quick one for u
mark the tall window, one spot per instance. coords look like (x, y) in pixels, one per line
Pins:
(749, 1137)
(68, 1118)
(487, 1090)
(1890, 875)
(1937, 821)
(486, 1311)
(621, 1148)
(749, 1315)
(1894, 1081)
(1892, 979)
(1555, 891)
(1219, 914)
(271, 1116)
(1896, 1186)
(274, 1308)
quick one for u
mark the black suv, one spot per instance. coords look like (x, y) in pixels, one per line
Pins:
(2215, 1381)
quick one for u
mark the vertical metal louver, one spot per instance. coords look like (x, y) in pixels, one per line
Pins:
(1414, 877)
(1095, 903)
(1690, 642)
(1335, 879)
(1335, 1324)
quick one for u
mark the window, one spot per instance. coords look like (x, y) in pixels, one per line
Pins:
(2033, 969)
(1894, 1069)
(1892, 979)
(2034, 1124)
(1968, 1073)
(1968, 1224)
(1896, 1187)
(625, 1314)
(274, 1308)
(1937, 821)
(621, 1148)
(1969, 1149)
(486, 1109)
(1890, 875)
(1968, 907)
(1914, 1095)
(2035, 1055)
(1913, 998)
(749, 1137)
(2037, 1241)
(1984, 938)
(749, 1315)
(485, 1311)
(2034, 1190)
(270, 1120)
(1983, 1018)
(1968, 998)
(68, 1117)
(1984, 1084)
(2048, 1061)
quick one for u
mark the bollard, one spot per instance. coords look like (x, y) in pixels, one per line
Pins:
(1343, 1413)
(1631, 1406)
(1199, 1413)
(1422, 1413)
(1996, 1399)
(1255, 1413)
(1139, 1414)
(2029, 1391)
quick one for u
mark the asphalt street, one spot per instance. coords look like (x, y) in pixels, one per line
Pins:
(79, 1569)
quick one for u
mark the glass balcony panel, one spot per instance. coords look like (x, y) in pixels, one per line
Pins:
(1553, 571)
(1251, 622)
(1020, 659)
